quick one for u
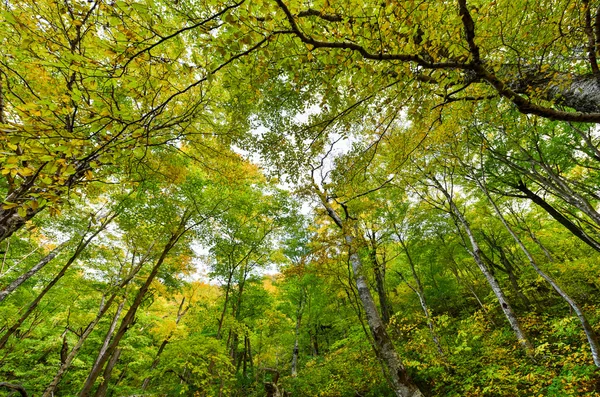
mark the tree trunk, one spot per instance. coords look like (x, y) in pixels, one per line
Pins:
(130, 315)
(421, 295)
(455, 270)
(25, 276)
(245, 359)
(314, 342)
(49, 392)
(233, 348)
(249, 350)
(576, 231)
(104, 306)
(108, 336)
(82, 245)
(587, 328)
(297, 334)
(222, 318)
(511, 277)
(236, 309)
(101, 392)
(401, 382)
(476, 254)
(379, 282)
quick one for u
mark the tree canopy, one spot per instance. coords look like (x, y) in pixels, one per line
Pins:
(299, 198)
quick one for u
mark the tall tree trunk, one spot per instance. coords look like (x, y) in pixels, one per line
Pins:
(401, 382)
(314, 341)
(587, 328)
(130, 315)
(574, 229)
(296, 351)
(233, 353)
(25, 276)
(104, 306)
(69, 359)
(33, 305)
(236, 309)
(455, 270)
(222, 318)
(108, 337)
(249, 350)
(511, 277)
(180, 314)
(418, 290)
(101, 391)
(379, 273)
(476, 254)
(245, 357)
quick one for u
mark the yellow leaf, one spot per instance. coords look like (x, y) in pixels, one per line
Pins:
(26, 171)
(8, 205)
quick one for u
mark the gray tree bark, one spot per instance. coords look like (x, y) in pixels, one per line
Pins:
(101, 391)
(130, 315)
(418, 290)
(82, 245)
(25, 276)
(587, 328)
(296, 351)
(401, 382)
(49, 392)
(475, 252)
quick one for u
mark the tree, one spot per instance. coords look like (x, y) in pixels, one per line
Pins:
(444, 157)
(455, 48)
(400, 381)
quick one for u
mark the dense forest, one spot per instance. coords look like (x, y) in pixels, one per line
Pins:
(299, 198)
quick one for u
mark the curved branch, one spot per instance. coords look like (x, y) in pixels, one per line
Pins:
(178, 32)
(476, 66)
(15, 387)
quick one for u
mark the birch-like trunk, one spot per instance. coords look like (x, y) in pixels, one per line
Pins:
(109, 334)
(379, 272)
(130, 315)
(296, 351)
(401, 382)
(25, 276)
(587, 328)
(33, 305)
(418, 290)
(475, 252)
(49, 392)
(104, 306)
(573, 228)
